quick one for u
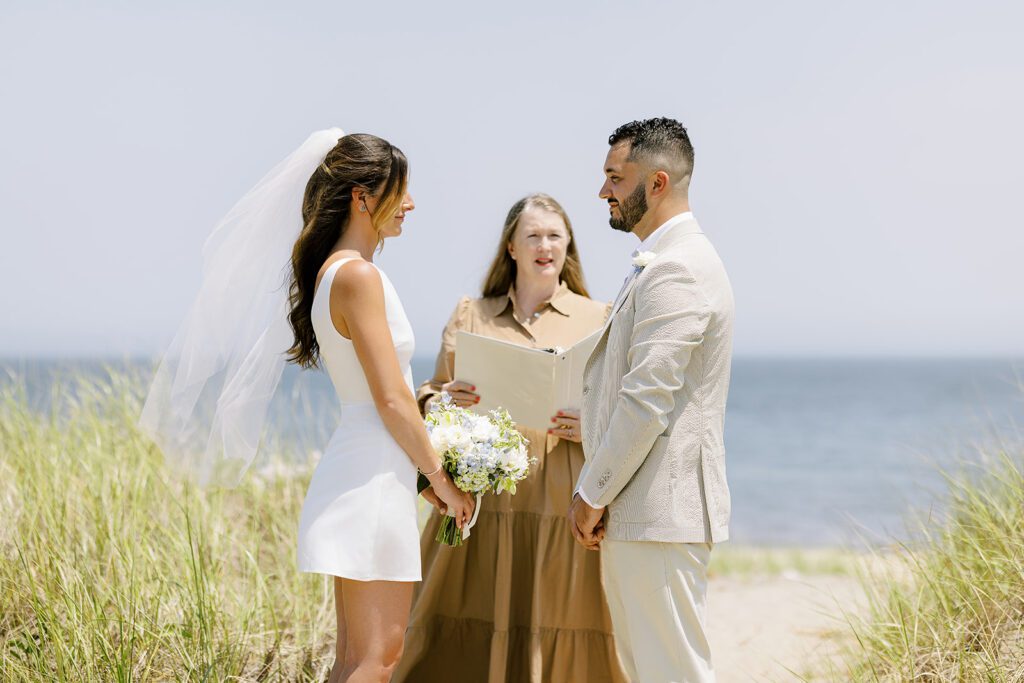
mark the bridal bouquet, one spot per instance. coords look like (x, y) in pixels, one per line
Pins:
(481, 453)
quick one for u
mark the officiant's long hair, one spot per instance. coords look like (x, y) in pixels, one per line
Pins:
(502, 273)
(357, 161)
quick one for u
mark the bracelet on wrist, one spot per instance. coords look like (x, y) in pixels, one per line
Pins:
(430, 474)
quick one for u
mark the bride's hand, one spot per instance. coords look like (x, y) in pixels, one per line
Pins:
(460, 503)
(463, 393)
(431, 497)
(567, 425)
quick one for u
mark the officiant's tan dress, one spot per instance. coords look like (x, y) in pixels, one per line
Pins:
(521, 601)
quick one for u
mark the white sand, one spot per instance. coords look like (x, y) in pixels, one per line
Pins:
(780, 628)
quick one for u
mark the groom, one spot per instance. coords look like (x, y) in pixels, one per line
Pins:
(653, 493)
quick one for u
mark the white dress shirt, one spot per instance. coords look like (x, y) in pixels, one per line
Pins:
(645, 245)
(652, 239)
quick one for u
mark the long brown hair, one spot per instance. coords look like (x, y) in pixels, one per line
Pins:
(357, 161)
(502, 273)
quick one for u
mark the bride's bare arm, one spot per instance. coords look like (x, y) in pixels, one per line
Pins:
(358, 312)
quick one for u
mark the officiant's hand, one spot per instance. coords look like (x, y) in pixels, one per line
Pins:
(586, 523)
(463, 393)
(567, 425)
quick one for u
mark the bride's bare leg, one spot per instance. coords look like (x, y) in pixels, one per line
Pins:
(339, 646)
(376, 614)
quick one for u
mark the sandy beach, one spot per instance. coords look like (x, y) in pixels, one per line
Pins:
(781, 628)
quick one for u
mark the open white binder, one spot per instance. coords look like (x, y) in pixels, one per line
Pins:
(531, 384)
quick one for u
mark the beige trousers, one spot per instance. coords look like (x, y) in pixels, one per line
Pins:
(657, 597)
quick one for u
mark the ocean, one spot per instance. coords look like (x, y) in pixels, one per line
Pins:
(820, 452)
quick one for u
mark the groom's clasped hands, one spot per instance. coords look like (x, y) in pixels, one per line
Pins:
(586, 523)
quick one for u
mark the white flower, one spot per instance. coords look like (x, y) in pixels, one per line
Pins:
(486, 431)
(439, 439)
(459, 437)
(520, 460)
(643, 258)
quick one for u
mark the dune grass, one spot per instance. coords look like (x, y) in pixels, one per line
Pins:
(111, 569)
(951, 608)
(794, 562)
(114, 569)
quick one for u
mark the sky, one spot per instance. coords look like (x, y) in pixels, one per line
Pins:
(858, 165)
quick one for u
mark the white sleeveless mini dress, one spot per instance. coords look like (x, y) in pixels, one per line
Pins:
(359, 517)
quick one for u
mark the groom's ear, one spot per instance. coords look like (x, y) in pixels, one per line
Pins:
(660, 184)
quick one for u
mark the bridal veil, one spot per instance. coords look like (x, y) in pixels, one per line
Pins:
(208, 403)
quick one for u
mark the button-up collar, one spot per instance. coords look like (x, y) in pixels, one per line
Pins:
(652, 239)
(562, 301)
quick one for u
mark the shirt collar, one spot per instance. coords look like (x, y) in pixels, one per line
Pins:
(652, 239)
(561, 301)
(562, 298)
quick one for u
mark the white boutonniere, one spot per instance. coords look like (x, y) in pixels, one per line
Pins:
(643, 259)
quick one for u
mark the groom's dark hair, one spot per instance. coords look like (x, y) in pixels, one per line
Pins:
(658, 141)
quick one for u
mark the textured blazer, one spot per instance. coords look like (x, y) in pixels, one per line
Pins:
(654, 398)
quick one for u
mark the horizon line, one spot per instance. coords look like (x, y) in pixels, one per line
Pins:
(895, 355)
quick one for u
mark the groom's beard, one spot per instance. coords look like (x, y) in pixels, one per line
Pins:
(631, 210)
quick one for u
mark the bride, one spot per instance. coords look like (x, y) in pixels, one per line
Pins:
(358, 521)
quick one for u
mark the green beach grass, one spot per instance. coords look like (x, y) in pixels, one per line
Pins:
(951, 608)
(112, 570)
(755, 562)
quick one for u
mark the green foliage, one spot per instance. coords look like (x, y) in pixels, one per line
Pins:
(952, 607)
(113, 569)
(749, 562)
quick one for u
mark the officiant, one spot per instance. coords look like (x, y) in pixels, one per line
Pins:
(521, 601)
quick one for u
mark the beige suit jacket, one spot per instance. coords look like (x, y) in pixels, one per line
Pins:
(654, 398)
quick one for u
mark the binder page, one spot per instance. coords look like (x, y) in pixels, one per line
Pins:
(569, 368)
(516, 378)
